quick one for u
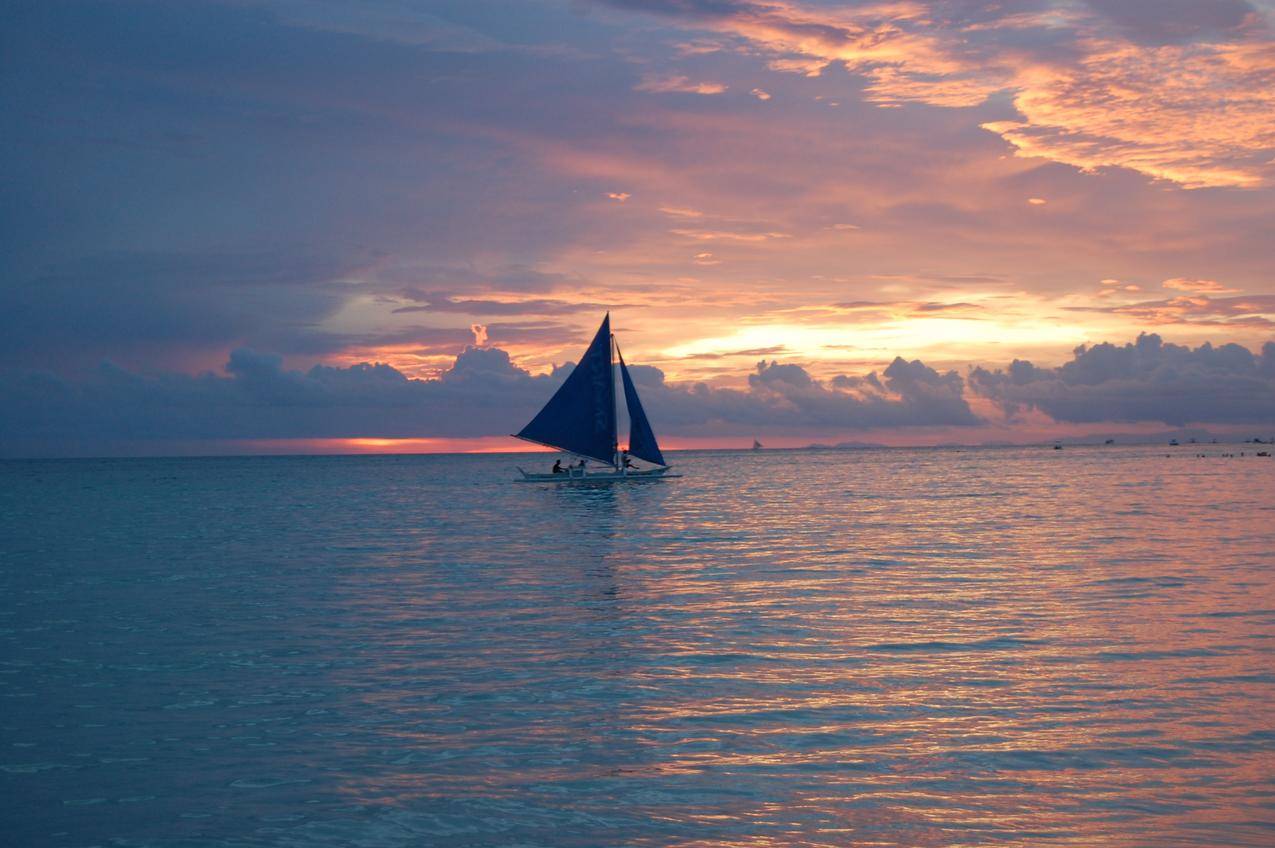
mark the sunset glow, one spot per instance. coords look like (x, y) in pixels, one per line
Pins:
(576, 423)
(830, 187)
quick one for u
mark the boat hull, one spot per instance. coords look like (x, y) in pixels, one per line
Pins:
(598, 477)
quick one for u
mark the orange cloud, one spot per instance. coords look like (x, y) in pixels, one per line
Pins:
(727, 235)
(1255, 312)
(681, 212)
(1197, 113)
(665, 84)
(1210, 286)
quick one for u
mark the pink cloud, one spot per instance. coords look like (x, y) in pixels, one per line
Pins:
(1209, 286)
(1196, 113)
(657, 84)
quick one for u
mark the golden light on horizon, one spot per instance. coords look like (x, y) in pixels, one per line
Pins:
(954, 338)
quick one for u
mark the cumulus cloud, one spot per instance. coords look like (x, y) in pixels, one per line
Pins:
(785, 396)
(1146, 380)
(483, 394)
(258, 398)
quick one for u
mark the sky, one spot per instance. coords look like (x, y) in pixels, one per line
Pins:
(320, 225)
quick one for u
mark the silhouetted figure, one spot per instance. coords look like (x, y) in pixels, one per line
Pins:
(557, 467)
(628, 463)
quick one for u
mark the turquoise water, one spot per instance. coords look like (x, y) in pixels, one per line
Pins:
(894, 647)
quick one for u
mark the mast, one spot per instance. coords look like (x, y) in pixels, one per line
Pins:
(615, 409)
(642, 443)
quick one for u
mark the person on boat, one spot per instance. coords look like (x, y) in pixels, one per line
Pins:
(624, 458)
(557, 467)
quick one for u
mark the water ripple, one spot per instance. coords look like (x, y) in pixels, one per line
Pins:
(894, 648)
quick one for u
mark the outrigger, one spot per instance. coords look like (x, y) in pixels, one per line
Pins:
(581, 419)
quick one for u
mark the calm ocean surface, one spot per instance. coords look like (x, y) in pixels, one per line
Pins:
(881, 647)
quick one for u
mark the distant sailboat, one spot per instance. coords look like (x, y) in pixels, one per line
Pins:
(581, 419)
(757, 445)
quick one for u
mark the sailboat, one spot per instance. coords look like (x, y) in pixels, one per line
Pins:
(757, 445)
(581, 419)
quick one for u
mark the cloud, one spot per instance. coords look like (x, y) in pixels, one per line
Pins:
(1146, 380)
(1197, 309)
(681, 212)
(868, 311)
(727, 354)
(1182, 90)
(483, 393)
(659, 84)
(503, 278)
(1210, 286)
(440, 302)
(183, 180)
(132, 303)
(785, 397)
(1175, 21)
(726, 235)
(258, 399)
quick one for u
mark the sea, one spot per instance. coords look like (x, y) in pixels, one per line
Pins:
(894, 647)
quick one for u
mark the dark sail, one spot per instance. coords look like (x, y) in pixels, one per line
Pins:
(642, 442)
(580, 417)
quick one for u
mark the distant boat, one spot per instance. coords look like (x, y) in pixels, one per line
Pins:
(1057, 445)
(1173, 443)
(1109, 442)
(757, 445)
(581, 419)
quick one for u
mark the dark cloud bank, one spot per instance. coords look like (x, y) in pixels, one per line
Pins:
(1147, 380)
(485, 394)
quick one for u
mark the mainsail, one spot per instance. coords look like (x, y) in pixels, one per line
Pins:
(642, 442)
(580, 417)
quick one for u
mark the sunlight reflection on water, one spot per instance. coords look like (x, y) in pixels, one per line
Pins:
(906, 647)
